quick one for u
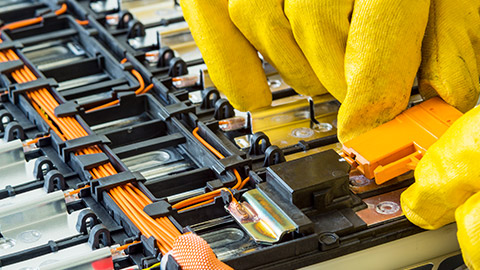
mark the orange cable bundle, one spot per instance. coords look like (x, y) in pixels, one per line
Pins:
(128, 197)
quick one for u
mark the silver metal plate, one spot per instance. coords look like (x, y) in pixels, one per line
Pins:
(287, 121)
(80, 257)
(229, 242)
(14, 170)
(155, 164)
(65, 85)
(151, 11)
(263, 220)
(34, 218)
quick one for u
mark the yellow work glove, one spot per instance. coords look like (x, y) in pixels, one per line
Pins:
(366, 53)
(447, 186)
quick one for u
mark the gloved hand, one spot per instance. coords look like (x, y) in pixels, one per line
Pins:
(366, 53)
(447, 186)
(191, 252)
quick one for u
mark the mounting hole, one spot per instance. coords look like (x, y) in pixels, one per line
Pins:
(302, 132)
(322, 127)
(387, 208)
(359, 181)
(274, 84)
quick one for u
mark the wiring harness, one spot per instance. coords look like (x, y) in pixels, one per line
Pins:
(128, 197)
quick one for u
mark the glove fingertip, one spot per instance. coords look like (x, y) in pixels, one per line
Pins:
(419, 206)
(468, 234)
(407, 201)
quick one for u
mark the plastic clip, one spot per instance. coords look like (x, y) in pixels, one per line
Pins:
(396, 147)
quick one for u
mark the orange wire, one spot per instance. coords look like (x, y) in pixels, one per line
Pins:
(206, 144)
(196, 205)
(244, 182)
(120, 201)
(76, 191)
(207, 197)
(139, 79)
(35, 140)
(138, 220)
(85, 22)
(120, 248)
(28, 22)
(140, 206)
(141, 90)
(151, 54)
(22, 23)
(106, 105)
(148, 88)
(62, 10)
(130, 200)
(216, 153)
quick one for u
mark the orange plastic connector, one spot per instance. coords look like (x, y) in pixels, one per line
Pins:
(396, 146)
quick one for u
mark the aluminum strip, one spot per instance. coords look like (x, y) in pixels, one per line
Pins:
(14, 170)
(34, 218)
(80, 257)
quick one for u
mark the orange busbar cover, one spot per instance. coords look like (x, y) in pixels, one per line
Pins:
(396, 146)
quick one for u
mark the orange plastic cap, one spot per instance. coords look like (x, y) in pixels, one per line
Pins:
(396, 146)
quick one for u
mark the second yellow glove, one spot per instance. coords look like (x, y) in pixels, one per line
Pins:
(447, 186)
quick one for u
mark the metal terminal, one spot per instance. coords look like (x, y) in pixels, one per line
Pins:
(113, 19)
(104, 6)
(302, 132)
(243, 141)
(263, 220)
(387, 208)
(274, 84)
(164, 10)
(322, 127)
(185, 81)
(185, 195)
(148, 160)
(382, 207)
(296, 118)
(359, 181)
(154, 173)
(177, 36)
(205, 78)
(233, 123)
(360, 184)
